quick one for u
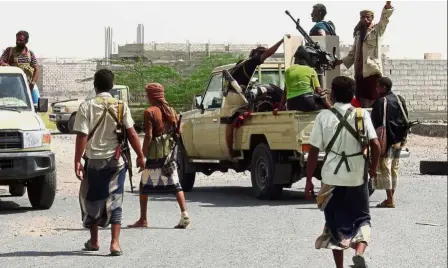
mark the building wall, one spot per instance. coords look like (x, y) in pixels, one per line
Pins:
(61, 81)
(423, 83)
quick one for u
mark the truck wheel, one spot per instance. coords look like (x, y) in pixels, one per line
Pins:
(434, 167)
(63, 128)
(186, 180)
(42, 191)
(17, 189)
(71, 124)
(262, 173)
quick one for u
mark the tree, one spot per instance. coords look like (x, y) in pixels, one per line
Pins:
(179, 89)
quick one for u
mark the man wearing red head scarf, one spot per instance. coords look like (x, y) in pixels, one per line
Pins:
(160, 173)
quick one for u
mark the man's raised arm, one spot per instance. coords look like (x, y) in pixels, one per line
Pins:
(384, 20)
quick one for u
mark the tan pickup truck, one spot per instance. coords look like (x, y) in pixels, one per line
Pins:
(274, 148)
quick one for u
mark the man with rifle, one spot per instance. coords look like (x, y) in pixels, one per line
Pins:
(103, 126)
(161, 126)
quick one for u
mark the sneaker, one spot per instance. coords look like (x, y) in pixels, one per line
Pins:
(359, 261)
(183, 223)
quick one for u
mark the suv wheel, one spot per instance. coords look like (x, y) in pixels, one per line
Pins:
(42, 191)
(71, 124)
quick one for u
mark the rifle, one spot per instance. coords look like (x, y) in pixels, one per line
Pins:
(325, 61)
(123, 148)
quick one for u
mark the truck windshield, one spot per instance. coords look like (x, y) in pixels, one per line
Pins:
(114, 92)
(270, 77)
(13, 92)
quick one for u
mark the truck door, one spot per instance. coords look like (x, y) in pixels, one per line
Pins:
(206, 124)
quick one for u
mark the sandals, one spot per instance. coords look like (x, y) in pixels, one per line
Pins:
(385, 204)
(88, 246)
(183, 223)
(359, 261)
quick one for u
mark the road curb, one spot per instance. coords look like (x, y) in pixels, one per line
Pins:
(431, 129)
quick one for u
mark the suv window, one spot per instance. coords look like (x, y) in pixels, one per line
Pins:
(213, 94)
(13, 92)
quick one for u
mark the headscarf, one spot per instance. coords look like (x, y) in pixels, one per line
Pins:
(359, 25)
(156, 93)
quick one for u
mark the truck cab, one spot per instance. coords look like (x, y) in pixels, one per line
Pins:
(27, 162)
(64, 112)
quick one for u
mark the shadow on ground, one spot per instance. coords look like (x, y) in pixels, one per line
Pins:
(11, 207)
(233, 196)
(49, 254)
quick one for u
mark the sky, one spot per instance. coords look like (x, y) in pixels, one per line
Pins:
(75, 29)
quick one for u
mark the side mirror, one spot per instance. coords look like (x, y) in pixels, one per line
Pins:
(42, 105)
(198, 101)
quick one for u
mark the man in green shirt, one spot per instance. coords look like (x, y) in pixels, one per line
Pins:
(302, 88)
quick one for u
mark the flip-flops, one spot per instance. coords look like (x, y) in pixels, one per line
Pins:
(88, 246)
(359, 261)
(385, 204)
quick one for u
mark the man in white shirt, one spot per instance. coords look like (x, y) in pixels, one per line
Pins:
(102, 178)
(345, 134)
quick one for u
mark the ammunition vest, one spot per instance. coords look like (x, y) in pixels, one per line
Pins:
(162, 145)
(13, 60)
(359, 134)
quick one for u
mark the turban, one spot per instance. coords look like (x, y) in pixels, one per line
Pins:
(156, 93)
(366, 12)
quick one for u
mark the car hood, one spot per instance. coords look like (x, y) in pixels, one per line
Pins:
(25, 120)
(70, 104)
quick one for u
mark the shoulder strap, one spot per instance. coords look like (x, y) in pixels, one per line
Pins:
(100, 120)
(402, 110)
(120, 111)
(385, 111)
(10, 54)
(342, 123)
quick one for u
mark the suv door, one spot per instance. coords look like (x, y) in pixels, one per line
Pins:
(206, 124)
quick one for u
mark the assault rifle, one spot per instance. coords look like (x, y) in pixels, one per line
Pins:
(321, 60)
(123, 148)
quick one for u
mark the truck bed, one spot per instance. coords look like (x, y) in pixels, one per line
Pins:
(285, 131)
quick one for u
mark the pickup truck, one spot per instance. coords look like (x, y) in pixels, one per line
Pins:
(274, 148)
(27, 162)
(64, 112)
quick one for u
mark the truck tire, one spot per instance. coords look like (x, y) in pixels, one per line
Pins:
(186, 180)
(17, 189)
(434, 167)
(42, 191)
(63, 128)
(262, 173)
(71, 124)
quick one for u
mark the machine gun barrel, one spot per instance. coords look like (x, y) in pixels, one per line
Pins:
(302, 31)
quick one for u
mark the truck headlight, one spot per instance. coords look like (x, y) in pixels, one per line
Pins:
(34, 139)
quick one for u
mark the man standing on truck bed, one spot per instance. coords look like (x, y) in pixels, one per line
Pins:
(104, 174)
(365, 54)
(21, 56)
(344, 133)
(242, 72)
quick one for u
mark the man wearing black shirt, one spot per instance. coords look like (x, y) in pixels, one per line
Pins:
(242, 72)
(396, 132)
